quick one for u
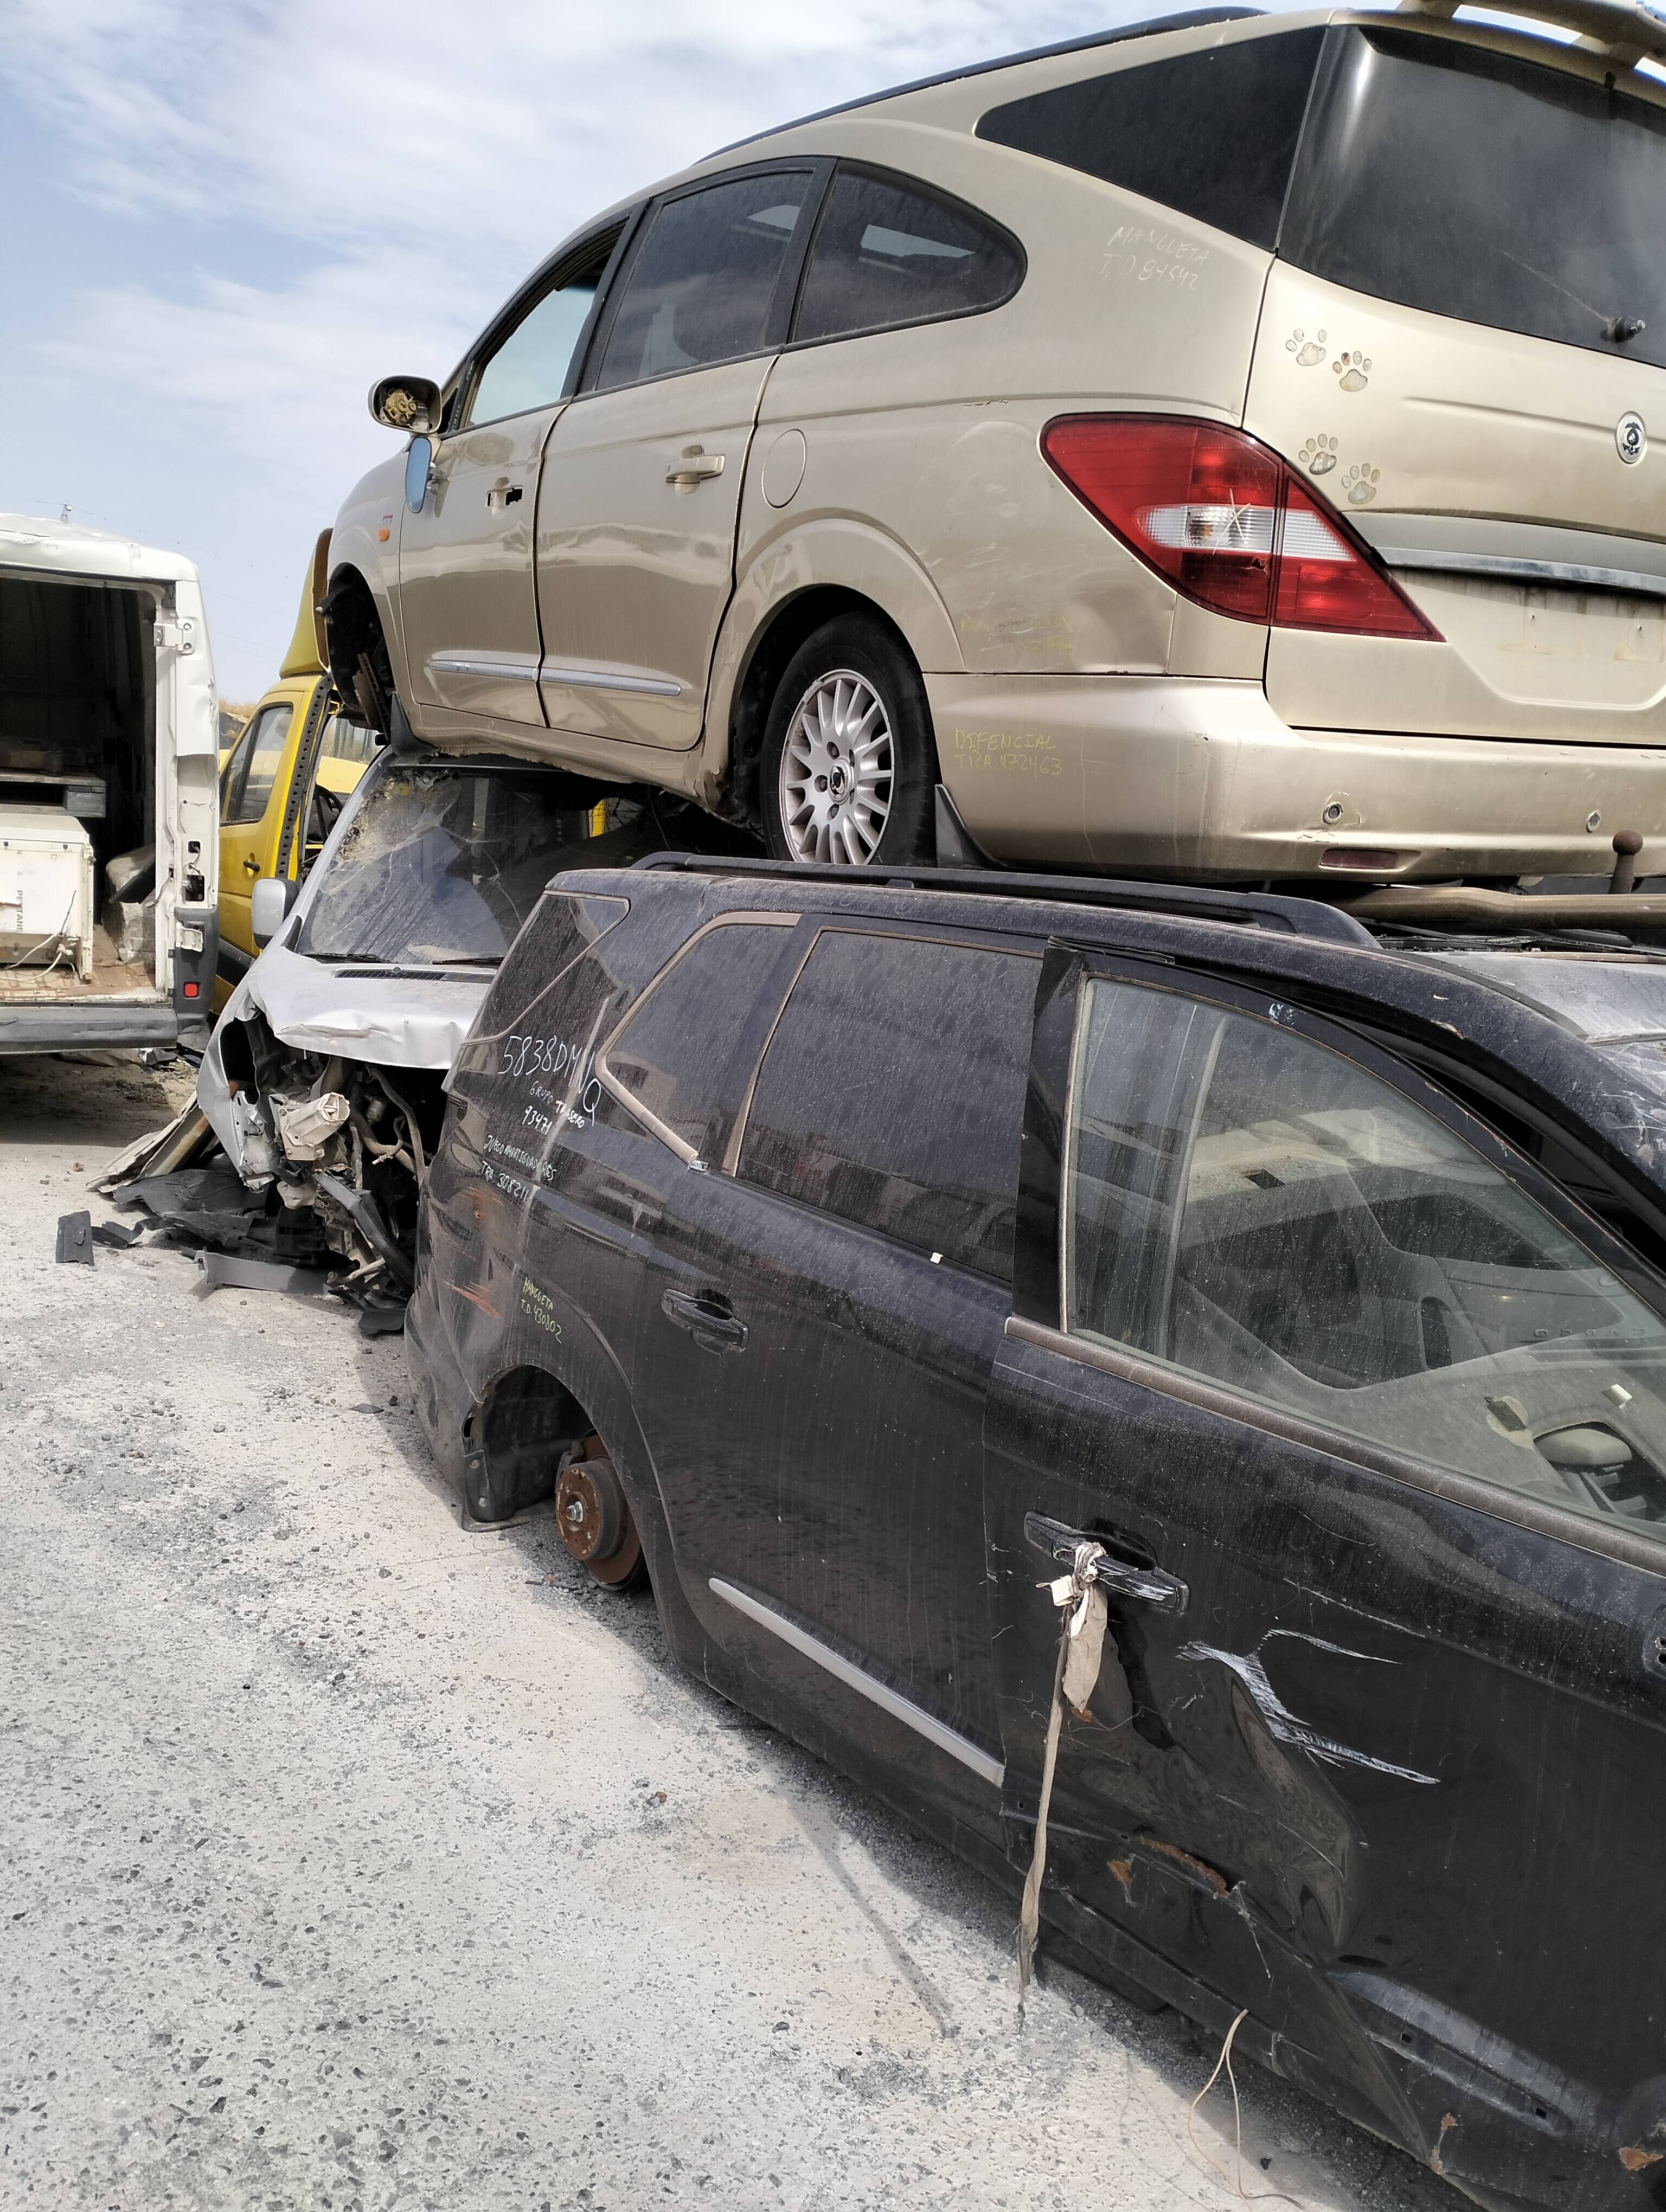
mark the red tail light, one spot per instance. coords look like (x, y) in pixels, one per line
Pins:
(1228, 524)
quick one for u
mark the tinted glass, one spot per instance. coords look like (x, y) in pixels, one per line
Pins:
(252, 768)
(702, 282)
(1257, 1210)
(1469, 184)
(678, 1053)
(892, 1093)
(884, 254)
(529, 369)
(439, 867)
(1212, 134)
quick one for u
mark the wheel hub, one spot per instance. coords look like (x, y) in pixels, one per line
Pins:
(836, 771)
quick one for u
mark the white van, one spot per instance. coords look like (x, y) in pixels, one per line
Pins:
(109, 850)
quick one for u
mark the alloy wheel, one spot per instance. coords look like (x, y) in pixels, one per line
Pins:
(836, 771)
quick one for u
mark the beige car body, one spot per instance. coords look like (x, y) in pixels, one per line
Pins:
(1085, 714)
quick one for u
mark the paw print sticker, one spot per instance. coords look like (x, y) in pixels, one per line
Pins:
(1353, 369)
(1361, 484)
(1318, 456)
(1307, 350)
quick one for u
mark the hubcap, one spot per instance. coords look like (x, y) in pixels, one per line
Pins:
(836, 770)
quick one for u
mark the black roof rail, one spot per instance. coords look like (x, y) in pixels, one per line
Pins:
(1295, 917)
(1191, 19)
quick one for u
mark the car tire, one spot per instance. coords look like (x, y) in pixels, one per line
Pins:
(849, 765)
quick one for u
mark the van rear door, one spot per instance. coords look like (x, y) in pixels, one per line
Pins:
(1472, 382)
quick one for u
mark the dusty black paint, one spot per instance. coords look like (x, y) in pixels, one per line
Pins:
(1391, 1782)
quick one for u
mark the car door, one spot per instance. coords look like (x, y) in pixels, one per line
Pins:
(1369, 1418)
(821, 1312)
(641, 488)
(254, 789)
(468, 608)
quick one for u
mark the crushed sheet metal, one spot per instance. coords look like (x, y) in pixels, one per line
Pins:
(394, 1021)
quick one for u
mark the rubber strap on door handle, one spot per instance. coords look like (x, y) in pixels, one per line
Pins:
(1081, 1647)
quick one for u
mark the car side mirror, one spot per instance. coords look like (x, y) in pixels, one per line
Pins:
(419, 467)
(406, 404)
(268, 906)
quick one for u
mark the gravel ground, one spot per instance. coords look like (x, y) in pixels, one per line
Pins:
(352, 1860)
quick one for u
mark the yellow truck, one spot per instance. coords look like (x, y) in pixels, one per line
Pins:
(282, 782)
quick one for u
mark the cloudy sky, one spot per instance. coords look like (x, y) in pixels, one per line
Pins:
(223, 221)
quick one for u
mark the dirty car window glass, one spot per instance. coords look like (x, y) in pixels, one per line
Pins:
(252, 768)
(1470, 184)
(1254, 1208)
(703, 280)
(676, 1054)
(439, 866)
(1212, 134)
(884, 254)
(892, 1093)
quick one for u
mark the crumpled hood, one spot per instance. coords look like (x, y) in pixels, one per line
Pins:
(396, 1020)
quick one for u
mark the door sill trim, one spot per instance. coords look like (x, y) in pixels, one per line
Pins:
(858, 1679)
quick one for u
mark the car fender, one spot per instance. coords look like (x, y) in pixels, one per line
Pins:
(549, 1331)
(366, 539)
(835, 551)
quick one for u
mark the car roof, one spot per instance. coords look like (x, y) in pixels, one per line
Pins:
(37, 544)
(1534, 1032)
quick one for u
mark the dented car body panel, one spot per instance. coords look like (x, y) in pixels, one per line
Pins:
(1315, 1277)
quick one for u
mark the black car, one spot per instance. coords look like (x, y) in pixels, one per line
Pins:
(844, 1250)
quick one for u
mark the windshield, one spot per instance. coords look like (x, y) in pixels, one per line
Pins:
(440, 867)
(1468, 183)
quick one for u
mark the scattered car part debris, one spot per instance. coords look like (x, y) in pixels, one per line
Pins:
(225, 1271)
(74, 1239)
(381, 1320)
(116, 1237)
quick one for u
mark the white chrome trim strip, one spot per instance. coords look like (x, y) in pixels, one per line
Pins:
(603, 679)
(1513, 569)
(469, 664)
(900, 1708)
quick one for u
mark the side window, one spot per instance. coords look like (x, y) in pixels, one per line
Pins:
(702, 283)
(676, 1062)
(885, 254)
(1212, 134)
(252, 768)
(528, 368)
(1256, 1209)
(346, 740)
(892, 1093)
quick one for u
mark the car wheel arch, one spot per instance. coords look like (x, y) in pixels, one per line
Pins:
(791, 587)
(358, 624)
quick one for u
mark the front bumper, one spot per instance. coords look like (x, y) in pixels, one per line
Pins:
(1188, 778)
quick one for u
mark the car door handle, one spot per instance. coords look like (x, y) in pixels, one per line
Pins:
(503, 495)
(708, 1320)
(1118, 1578)
(692, 467)
(252, 866)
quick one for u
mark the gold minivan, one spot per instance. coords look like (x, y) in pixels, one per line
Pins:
(1229, 449)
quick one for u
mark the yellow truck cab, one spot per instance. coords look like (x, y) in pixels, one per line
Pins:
(283, 782)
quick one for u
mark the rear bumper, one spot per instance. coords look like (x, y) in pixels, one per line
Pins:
(1181, 777)
(106, 1027)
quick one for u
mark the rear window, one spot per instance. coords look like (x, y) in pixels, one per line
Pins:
(892, 1093)
(1213, 135)
(704, 282)
(678, 1059)
(1469, 184)
(885, 254)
